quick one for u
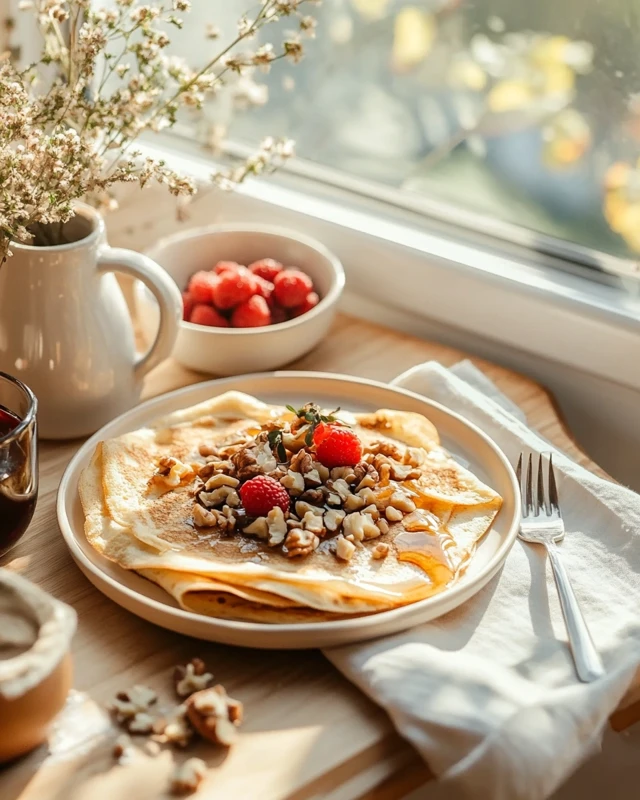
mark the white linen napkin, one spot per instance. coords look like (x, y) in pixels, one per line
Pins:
(488, 693)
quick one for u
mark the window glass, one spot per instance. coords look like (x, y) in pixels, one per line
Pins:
(528, 112)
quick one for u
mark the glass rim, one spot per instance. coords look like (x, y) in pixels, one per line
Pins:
(29, 417)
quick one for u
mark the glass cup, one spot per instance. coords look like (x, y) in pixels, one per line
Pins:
(18, 460)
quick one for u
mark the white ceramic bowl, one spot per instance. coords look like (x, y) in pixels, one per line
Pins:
(234, 351)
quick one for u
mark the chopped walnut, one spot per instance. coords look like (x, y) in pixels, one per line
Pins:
(277, 526)
(314, 522)
(174, 728)
(300, 542)
(302, 462)
(265, 458)
(207, 450)
(215, 468)
(219, 480)
(385, 474)
(381, 550)
(223, 495)
(393, 514)
(191, 677)
(386, 449)
(259, 527)
(204, 518)
(171, 473)
(383, 525)
(312, 496)
(188, 776)
(403, 472)
(323, 471)
(246, 464)
(344, 549)
(346, 473)
(302, 508)
(312, 479)
(372, 511)
(131, 708)
(293, 481)
(360, 526)
(215, 715)
(353, 503)
(333, 519)
(123, 748)
(366, 476)
(402, 502)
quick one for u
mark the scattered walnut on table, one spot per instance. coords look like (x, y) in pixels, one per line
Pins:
(191, 677)
(174, 728)
(131, 709)
(188, 776)
(215, 715)
(123, 748)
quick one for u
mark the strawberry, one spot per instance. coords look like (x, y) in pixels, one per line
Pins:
(264, 287)
(266, 268)
(227, 266)
(187, 305)
(291, 287)
(201, 285)
(262, 493)
(233, 287)
(310, 301)
(254, 313)
(206, 315)
(340, 447)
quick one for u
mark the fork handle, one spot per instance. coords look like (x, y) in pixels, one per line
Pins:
(589, 666)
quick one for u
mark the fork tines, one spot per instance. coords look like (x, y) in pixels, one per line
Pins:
(534, 503)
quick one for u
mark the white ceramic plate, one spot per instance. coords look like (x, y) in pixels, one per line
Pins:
(148, 601)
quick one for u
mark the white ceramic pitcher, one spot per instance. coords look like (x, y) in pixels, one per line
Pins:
(65, 328)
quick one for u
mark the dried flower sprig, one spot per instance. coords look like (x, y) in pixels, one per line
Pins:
(68, 122)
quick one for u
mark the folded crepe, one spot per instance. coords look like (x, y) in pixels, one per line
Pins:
(401, 533)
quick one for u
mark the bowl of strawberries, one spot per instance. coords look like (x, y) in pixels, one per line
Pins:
(254, 297)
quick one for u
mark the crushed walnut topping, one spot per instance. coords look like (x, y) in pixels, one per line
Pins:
(131, 709)
(171, 473)
(215, 715)
(191, 677)
(358, 503)
(188, 776)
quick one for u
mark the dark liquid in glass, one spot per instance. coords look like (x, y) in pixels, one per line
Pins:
(17, 499)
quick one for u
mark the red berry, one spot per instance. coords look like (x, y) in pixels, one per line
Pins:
(310, 301)
(227, 266)
(233, 288)
(266, 268)
(252, 314)
(341, 448)
(262, 493)
(291, 287)
(321, 432)
(201, 286)
(278, 314)
(264, 287)
(206, 315)
(187, 305)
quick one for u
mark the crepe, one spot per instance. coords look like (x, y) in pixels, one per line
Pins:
(210, 571)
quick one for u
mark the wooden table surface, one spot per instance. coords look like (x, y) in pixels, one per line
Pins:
(308, 732)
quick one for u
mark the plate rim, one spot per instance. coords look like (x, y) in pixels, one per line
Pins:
(489, 570)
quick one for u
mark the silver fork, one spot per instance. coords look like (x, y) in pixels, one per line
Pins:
(542, 523)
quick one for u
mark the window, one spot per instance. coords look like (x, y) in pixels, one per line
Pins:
(507, 116)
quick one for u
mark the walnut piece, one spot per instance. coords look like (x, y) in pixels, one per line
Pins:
(223, 495)
(393, 514)
(333, 519)
(381, 550)
(219, 480)
(245, 462)
(215, 715)
(223, 519)
(384, 448)
(300, 543)
(131, 709)
(402, 502)
(414, 456)
(171, 473)
(344, 549)
(293, 481)
(277, 526)
(360, 526)
(346, 473)
(207, 450)
(302, 462)
(188, 776)
(191, 677)
(123, 748)
(259, 527)
(314, 522)
(174, 728)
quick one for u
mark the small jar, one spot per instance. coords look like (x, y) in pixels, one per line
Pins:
(35, 663)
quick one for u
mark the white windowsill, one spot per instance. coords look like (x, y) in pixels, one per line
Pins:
(519, 297)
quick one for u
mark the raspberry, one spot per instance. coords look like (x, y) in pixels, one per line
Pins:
(340, 448)
(266, 268)
(227, 266)
(187, 305)
(252, 314)
(201, 285)
(310, 301)
(233, 288)
(205, 315)
(291, 287)
(262, 493)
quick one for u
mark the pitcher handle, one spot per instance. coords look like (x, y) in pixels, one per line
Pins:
(128, 262)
